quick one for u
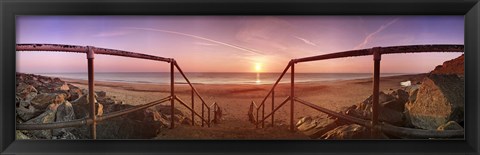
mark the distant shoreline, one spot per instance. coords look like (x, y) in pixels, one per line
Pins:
(160, 78)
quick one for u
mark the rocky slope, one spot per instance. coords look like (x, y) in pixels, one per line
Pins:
(435, 103)
(41, 99)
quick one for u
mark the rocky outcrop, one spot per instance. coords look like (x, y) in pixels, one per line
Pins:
(435, 103)
(454, 66)
(439, 99)
(41, 99)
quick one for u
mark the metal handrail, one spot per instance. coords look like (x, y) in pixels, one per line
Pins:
(184, 104)
(376, 52)
(90, 51)
(84, 49)
(196, 93)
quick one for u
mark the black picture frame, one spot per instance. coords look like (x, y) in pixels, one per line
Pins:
(469, 8)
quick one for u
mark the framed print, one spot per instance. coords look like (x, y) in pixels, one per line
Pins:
(240, 77)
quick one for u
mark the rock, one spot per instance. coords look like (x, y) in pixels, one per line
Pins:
(315, 127)
(57, 80)
(27, 112)
(101, 94)
(451, 125)
(63, 87)
(75, 93)
(81, 107)
(83, 99)
(440, 99)
(64, 113)
(138, 125)
(26, 92)
(41, 101)
(83, 110)
(391, 108)
(412, 93)
(126, 128)
(352, 131)
(400, 97)
(65, 135)
(47, 117)
(20, 136)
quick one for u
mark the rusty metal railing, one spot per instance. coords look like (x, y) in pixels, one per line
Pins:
(374, 123)
(93, 119)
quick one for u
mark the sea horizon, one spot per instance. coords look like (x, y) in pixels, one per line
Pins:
(214, 77)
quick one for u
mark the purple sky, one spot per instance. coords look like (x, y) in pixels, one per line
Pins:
(236, 43)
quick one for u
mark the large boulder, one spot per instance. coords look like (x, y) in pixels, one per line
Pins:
(27, 112)
(440, 99)
(137, 125)
(390, 106)
(26, 92)
(47, 117)
(315, 127)
(41, 101)
(75, 93)
(81, 107)
(64, 113)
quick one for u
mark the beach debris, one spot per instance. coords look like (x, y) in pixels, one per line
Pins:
(406, 83)
(440, 99)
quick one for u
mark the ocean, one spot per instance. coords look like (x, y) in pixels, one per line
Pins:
(214, 78)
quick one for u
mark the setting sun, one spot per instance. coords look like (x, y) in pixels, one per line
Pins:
(258, 67)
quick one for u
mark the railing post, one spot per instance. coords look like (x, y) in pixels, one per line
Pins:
(256, 122)
(263, 115)
(91, 92)
(376, 88)
(193, 111)
(172, 93)
(292, 94)
(273, 106)
(208, 124)
(203, 109)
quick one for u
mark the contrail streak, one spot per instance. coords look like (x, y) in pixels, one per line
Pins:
(370, 36)
(199, 37)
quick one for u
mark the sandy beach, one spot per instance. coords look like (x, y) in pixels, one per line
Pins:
(235, 99)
